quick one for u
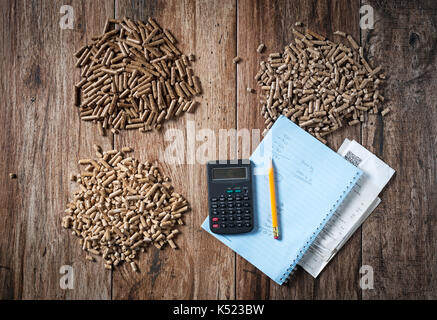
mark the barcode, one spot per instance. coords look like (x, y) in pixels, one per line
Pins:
(352, 158)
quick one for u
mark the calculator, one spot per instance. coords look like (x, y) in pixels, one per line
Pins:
(230, 200)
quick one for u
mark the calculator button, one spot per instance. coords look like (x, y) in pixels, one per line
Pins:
(238, 211)
(222, 198)
(246, 211)
(213, 206)
(222, 205)
(215, 219)
(246, 204)
(246, 191)
(230, 205)
(239, 224)
(229, 191)
(245, 198)
(213, 199)
(223, 225)
(214, 212)
(246, 217)
(239, 218)
(223, 218)
(237, 198)
(230, 198)
(231, 218)
(215, 225)
(238, 204)
(231, 225)
(247, 224)
(230, 212)
(237, 191)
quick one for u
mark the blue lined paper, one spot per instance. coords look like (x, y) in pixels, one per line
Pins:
(311, 182)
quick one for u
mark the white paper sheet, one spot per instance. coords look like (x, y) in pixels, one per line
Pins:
(353, 211)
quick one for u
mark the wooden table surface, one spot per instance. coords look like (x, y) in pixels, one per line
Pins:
(42, 140)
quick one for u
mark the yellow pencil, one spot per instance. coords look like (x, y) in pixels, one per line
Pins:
(273, 201)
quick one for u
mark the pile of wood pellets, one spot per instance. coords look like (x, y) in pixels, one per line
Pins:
(318, 84)
(134, 77)
(122, 206)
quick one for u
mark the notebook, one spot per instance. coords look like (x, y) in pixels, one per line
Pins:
(353, 211)
(311, 182)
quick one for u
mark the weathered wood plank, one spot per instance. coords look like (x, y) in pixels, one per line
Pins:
(399, 238)
(202, 268)
(43, 138)
(260, 22)
(340, 279)
(271, 22)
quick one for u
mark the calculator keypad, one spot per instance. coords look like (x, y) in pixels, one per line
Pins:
(231, 211)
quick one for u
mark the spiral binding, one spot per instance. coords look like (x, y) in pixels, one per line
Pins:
(290, 271)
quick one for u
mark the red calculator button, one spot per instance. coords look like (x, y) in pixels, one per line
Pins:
(215, 219)
(215, 225)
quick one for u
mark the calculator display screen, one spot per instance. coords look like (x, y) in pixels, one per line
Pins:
(229, 173)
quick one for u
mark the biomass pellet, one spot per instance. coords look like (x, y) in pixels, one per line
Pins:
(236, 60)
(109, 213)
(197, 85)
(385, 111)
(171, 243)
(192, 106)
(318, 84)
(76, 96)
(260, 48)
(340, 33)
(118, 70)
(90, 258)
(134, 266)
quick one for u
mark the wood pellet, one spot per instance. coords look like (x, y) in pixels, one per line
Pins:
(318, 84)
(236, 60)
(260, 48)
(130, 76)
(385, 111)
(122, 206)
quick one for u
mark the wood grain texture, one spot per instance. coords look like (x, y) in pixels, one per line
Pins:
(43, 137)
(400, 237)
(271, 23)
(202, 268)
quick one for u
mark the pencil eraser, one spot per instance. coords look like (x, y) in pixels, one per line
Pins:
(276, 237)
